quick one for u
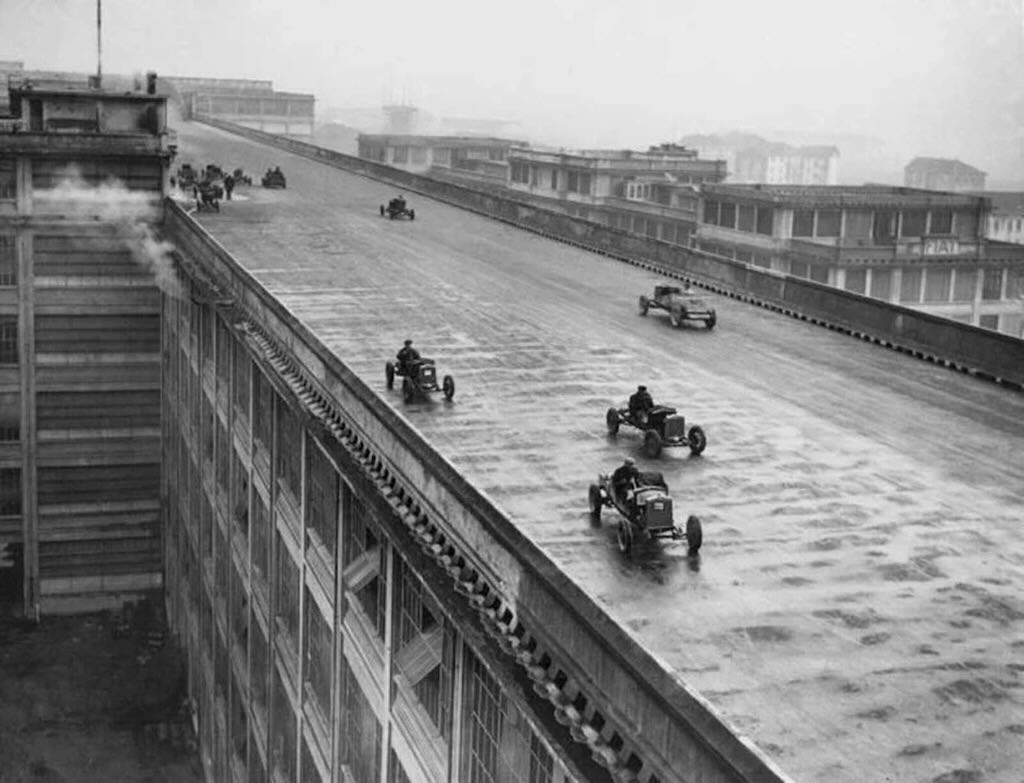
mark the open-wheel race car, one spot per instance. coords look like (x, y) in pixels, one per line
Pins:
(208, 195)
(274, 178)
(662, 427)
(645, 510)
(397, 208)
(187, 176)
(240, 177)
(419, 379)
(682, 305)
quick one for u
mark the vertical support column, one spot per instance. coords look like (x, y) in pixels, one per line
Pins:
(897, 285)
(27, 375)
(390, 600)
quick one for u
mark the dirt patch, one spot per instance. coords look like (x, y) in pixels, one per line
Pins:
(93, 698)
(974, 691)
(959, 776)
(918, 749)
(863, 619)
(874, 638)
(879, 713)
(918, 569)
(766, 633)
(796, 581)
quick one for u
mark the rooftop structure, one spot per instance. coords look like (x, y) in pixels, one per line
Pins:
(943, 174)
(481, 156)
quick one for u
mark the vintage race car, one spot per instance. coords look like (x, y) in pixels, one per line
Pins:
(645, 511)
(682, 305)
(274, 178)
(397, 208)
(662, 427)
(419, 379)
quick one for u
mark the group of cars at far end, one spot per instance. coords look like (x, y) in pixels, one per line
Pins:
(642, 500)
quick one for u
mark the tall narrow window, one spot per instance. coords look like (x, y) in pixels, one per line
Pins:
(8, 180)
(8, 261)
(10, 492)
(8, 340)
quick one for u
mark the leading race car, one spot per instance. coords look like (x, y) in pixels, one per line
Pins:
(682, 305)
(645, 511)
(662, 427)
(274, 179)
(419, 379)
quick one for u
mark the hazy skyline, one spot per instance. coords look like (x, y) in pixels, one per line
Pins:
(930, 77)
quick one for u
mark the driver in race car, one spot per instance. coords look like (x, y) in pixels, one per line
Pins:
(640, 404)
(406, 357)
(624, 479)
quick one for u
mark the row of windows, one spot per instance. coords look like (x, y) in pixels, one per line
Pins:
(745, 217)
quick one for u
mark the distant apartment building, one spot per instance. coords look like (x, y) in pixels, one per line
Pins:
(474, 157)
(916, 248)
(942, 174)
(1005, 223)
(653, 193)
(751, 158)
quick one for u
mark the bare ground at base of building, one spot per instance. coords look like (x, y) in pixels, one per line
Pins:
(94, 698)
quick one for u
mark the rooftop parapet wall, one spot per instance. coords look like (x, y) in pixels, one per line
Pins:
(968, 348)
(672, 728)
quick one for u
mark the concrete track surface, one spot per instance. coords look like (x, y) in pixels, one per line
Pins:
(858, 608)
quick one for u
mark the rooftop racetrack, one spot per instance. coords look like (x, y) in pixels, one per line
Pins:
(858, 608)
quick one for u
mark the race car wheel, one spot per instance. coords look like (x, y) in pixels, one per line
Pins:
(594, 502)
(389, 374)
(448, 386)
(652, 444)
(612, 420)
(698, 440)
(408, 390)
(624, 537)
(412, 214)
(694, 535)
(711, 320)
(382, 210)
(643, 304)
(675, 316)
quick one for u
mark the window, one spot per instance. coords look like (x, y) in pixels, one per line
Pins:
(554, 179)
(8, 340)
(8, 180)
(798, 268)
(584, 186)
(727, 215)
(10, 417)
(856, 280)
(8, 261)
(941, 222)
(991, 287)
(989, 322)
(829, 223)
(10, 492)
(574, 181)
(803, 222)
(936, 285)
(819, 274)
(419, 155)
(362, 732)
(288, 598)
(964, 283)
(765, 220)
(365, 554)
(322, 483)
(885, 226)
(711, 212)
(260, 536)
(881, 283)
(747, 216)
(910, 286)
(913, 223)
(284, 738)
(318, 655)
(400, 155)
(288, 463)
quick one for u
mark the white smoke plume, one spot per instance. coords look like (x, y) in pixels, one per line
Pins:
(132, 213)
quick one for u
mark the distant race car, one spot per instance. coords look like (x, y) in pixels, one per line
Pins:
(419, 379)
(682, 305)
(274, 178)
(187, 176)
(645, 511)
(662, 426)
(397, 208)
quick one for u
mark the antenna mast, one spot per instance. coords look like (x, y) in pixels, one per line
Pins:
(99, 42)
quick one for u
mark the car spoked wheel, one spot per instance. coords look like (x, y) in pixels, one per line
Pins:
(642, 305)
(652, 444)
(612, 420)
(694, 535)
(711, 320)
(389, 374)
(624, 537)
(448, 386)
(675, 317)
(698, 440)
(408, 390)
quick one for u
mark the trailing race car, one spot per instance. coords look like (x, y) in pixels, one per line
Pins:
(645, 511)
(208, 195)
(662, 426)
(187, 176)
(396, 208)
(241, 178)
(419, 379)
(274, 178)
(681, 305)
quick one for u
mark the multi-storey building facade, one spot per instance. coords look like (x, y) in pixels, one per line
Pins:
(79, 342)
(1005, 222)
(474, 157)
(916, 248)
(250, 103)
(652, 193)
(943, 174)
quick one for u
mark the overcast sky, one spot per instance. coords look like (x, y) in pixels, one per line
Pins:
(929, 76)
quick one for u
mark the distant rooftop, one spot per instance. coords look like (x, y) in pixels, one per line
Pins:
(943, 165)
(843, 195)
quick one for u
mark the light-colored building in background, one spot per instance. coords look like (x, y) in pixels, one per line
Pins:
(1005, 223)
(917, 248)
(751, 158)
(473, 156)
(250, 103)
(943, 174)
